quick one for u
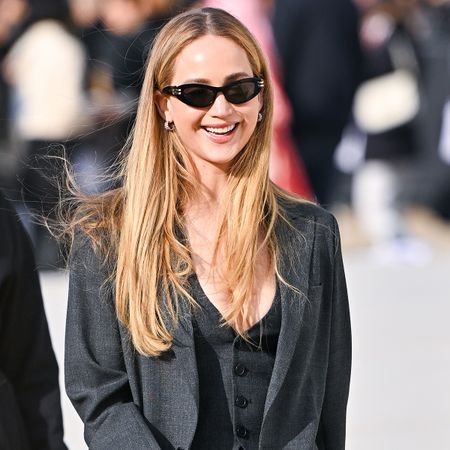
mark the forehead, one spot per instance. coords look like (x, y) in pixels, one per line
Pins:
(211, 59)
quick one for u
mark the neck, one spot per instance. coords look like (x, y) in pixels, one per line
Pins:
(212, 183)
(203, 210)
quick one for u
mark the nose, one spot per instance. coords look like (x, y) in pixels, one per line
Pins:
(221, 106)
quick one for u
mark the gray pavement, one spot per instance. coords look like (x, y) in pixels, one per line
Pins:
(400, 391)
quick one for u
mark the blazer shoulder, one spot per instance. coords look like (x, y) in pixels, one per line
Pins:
(88, 265)
(85, 248)
(303, 210)
(316, 225)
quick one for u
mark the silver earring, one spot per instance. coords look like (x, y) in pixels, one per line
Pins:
(169, 126)
(260, 117)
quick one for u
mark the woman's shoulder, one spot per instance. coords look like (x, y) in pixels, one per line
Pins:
(303, 210)
(313, 224)
(95, 227)
(90, 251)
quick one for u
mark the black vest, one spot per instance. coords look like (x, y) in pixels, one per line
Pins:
(234, 375)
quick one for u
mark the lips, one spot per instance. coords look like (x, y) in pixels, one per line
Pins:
(220, 134)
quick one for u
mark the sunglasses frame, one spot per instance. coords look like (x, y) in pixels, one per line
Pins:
(177, 91)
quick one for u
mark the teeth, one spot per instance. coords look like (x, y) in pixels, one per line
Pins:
(222, 130)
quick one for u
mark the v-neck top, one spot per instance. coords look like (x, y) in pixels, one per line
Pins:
(234, 374)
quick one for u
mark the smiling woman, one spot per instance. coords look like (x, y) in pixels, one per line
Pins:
(207, 307)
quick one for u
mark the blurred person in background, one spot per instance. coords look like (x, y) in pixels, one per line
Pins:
(130, 27)
(386, 110)
(401, 109)
(30, 411)
(12, 13)
(318, 44)
(75, 72)
(431, 187)
(45, 68)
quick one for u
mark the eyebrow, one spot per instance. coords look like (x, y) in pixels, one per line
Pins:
(228, 79)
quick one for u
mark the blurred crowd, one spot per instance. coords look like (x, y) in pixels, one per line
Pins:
(362, 100)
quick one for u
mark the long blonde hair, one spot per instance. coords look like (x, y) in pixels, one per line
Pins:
(143, 218)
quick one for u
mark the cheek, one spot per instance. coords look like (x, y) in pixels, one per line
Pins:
(250, 110)
(247, 135)
(251, 115)
(187, 124)
(185, 117)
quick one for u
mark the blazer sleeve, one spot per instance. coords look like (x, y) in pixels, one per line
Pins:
(332, 426)
(95, 372)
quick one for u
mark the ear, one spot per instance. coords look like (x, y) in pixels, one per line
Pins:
(162, 103)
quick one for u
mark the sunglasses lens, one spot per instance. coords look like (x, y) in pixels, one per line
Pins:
(199, 96)
(242, 92)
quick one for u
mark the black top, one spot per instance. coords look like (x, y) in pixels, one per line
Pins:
(234, 375)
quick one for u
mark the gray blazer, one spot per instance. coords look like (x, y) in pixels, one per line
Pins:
(131, 402)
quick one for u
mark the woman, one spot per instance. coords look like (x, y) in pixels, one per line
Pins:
(207, 308)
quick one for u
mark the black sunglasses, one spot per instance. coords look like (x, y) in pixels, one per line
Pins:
(203, 95)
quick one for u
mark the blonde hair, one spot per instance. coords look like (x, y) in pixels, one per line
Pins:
(143, 218)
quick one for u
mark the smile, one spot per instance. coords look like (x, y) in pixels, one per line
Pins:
(221, 130)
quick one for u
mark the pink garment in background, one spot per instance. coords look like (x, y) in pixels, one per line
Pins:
(286, 168)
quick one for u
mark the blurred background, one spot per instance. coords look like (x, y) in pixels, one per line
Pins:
(362, 125)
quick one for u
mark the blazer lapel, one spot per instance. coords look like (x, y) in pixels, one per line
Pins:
(295, 259)
(183, 342)
(183, 350)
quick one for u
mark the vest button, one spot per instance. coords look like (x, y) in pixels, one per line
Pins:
(242, 432)
(241, 401)
(240, 370)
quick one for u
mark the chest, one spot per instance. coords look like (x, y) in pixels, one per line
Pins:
(210, 265)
